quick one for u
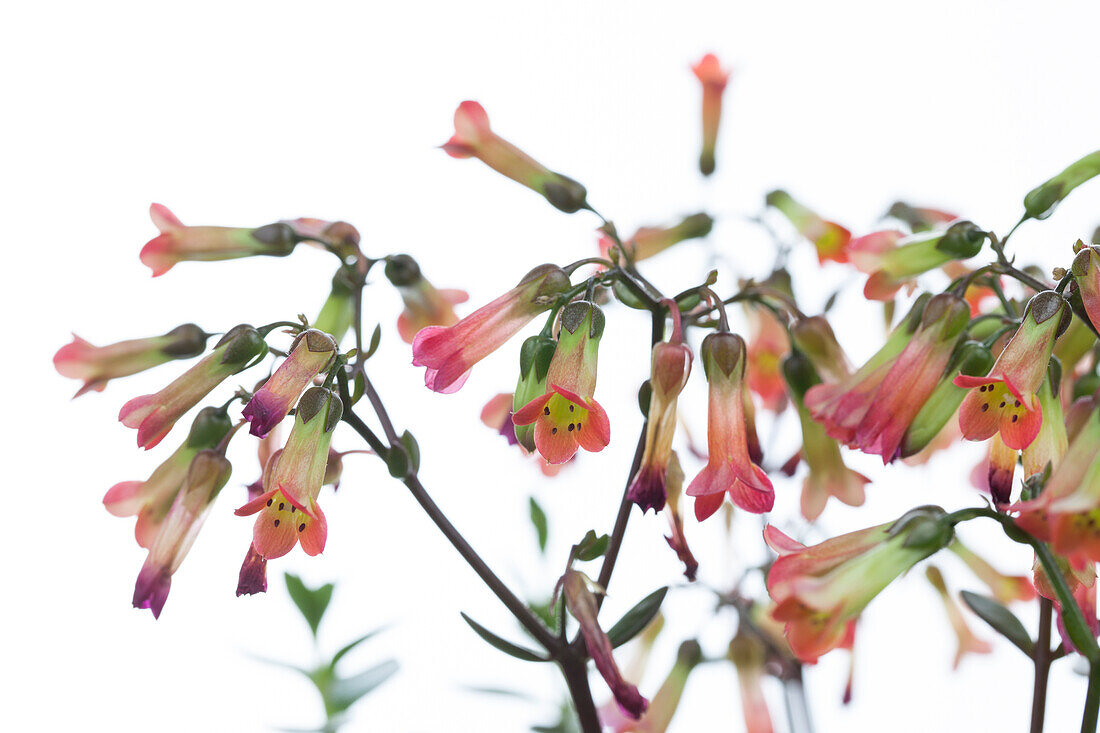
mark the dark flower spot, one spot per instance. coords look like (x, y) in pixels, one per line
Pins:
(546, 411)
(1017, 403)
(982, 388)
(571, 427)
(985, 407)
(281, 506)
(553, 431)
(302, 527)
(276, 522)
(1015, 418)
(571, 408)
(269, 502)
(1002, 404)
(292, 508)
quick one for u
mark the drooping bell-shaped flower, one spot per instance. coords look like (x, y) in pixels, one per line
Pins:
(425, 305)
(749, 656)
(729, 470)
(449, 352)
(666, 701)
(311, 353)
(338, 312)
(581, 602)
(151, 499)
(288, 508)
(474, 138)
(671, 366)
(179, 243)
(767, 344)
(819, 590)
(97, 365)
(566, 416)
(1040, 202)
(650, 241)
(892, 260)
(1005, 588)
(153, 415)
(827, 476)
(208, 473)
(920, 218)
(970, 358)
(966, 641)
(830, 238)
(710, 74)
(1067, 512)
(1005, 400)
(535, 356)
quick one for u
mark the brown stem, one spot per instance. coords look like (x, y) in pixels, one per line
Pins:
(1042, 660)
(574, 669)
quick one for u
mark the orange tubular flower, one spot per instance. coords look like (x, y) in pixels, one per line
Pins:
(1005, 588)
(671, 367)
(425, 305)
(767, 344)
(830, 238)
(967, 642)
(566, 417)
(710, 74)
(288, 508)
(729, 469)
(473, 138)
(97, 365)
(819, 591)
(1004, 402)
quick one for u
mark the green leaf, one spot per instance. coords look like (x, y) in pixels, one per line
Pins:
(359, 386)
(351, 645)
(343, 693)
(503, 644)
(1003, 621)
(312, 603)
(375, 339)
(538, 518)
(590, 547)
(636, 619)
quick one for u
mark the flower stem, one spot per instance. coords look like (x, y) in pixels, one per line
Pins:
(1042, 666)
(1092, 700)
(575, 671)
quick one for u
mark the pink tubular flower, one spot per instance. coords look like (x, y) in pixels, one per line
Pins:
(820, 590)
(658, 716)
(97, 365)
(729, 469)
(919, 368)
(1005, 588)
(671, 365)
(1005, 402)
(310, 354)
(749, 655)
(841, 406)
(425, 305)
(768, 343)
(473, 138)
(830, 238)
(814, 337)
(1081, 580)
(208, 473)
(581, 602)
(154, 415)
(968, 643)
(449, 352)
(920, 218)
(828, 476)
(566, 416)
(288, 509)
(179, 243)
(677, 540)
(710, 74)
(151, 499)
(892, 260)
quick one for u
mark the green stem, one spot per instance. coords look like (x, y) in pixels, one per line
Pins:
(1092, 700)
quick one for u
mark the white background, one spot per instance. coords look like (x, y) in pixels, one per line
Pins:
(245, 113)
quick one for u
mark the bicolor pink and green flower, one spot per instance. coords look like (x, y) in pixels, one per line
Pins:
(311, 353)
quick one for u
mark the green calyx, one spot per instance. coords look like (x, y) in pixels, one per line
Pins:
(209, 427)
(240, 345)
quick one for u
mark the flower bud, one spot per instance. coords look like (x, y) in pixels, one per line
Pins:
(1041, 201)
(338, 311)
(714, 80)
(535, 356)
(830, 238)
(311, 353)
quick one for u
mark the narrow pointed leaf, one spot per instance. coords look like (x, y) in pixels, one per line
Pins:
(503, 644)
(634, 620)
(343, 693)
(351, 645)
(1003, 621)
(538, 518)
(312, 603)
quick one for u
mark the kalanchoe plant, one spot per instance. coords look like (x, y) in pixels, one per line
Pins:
(968, 361)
